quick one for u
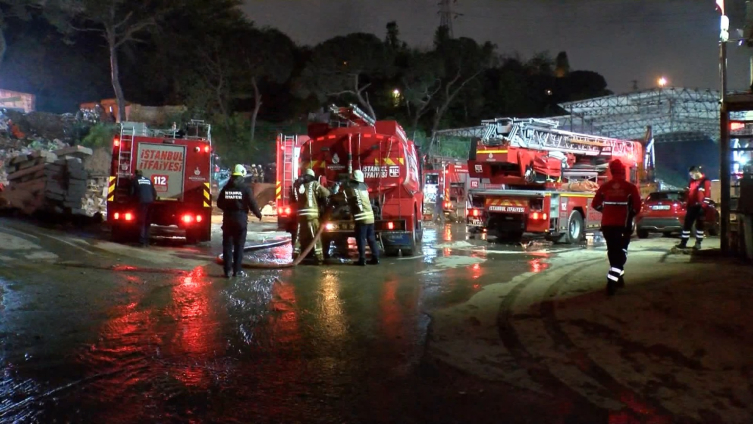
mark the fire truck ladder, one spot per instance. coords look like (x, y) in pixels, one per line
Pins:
(542, 134)
(125, 153)
(353, 115)
(288, 162)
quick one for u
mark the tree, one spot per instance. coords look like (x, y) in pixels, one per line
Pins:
(117, 21)
(268, 55)
(392, 40)
(342, 66)
(421, 80)
(462, 60)
(11, 9)
(562, 65)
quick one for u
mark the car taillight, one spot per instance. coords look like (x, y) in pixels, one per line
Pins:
(476, 212)
(198, 218)
(128, 216)
(287, 211)
(390, 225)
(188, 219)
(447, 204)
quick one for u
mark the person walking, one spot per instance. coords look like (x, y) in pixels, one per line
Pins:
(235, 200)
(619, 201)
(309, 195)
(357, 196)
(699, 193)
(144, 192)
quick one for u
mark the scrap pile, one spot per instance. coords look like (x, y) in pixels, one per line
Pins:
(54, 182)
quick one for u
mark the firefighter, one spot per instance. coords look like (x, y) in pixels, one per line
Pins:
(309, 194)
(699, 191)
(292, 224)
(619, 201)
(236, 200)
(357, 195)
(143, 190)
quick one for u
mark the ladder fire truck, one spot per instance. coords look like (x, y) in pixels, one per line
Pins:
(179, 163)
(536, 178)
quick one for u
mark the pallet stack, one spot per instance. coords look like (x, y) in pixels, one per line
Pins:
(56, 182)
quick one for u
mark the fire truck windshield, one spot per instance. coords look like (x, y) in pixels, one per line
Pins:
(432, 179)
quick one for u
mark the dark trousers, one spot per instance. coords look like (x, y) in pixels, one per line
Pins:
(618, 239)
(365, 233)
(233, 242)
(144, 220)
(695, 215)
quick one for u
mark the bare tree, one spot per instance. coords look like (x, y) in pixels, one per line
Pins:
(117, 21)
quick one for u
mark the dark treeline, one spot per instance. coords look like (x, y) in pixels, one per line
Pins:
(252, 82)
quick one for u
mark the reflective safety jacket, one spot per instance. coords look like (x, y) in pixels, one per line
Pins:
(619, 201)
(357, 195)
(699, 192)
(308, 194)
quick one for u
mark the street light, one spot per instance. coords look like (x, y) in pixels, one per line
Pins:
(396, 93)
(662, 82)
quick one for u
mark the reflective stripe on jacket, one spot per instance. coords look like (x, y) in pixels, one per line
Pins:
(619, 201)
(359, 203)
(308, 194)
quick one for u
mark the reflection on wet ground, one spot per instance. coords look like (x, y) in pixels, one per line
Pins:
(130, 343)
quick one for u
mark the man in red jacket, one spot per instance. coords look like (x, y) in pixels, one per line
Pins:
(699, 191)
(619, 201)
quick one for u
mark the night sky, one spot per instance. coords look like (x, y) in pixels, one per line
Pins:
(624, 40)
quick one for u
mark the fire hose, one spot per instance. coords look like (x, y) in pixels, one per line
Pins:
(304, 253)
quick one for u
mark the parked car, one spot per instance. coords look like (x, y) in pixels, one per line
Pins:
(664, 212)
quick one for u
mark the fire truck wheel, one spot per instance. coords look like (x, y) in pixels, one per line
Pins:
(574, 231)
(417, 235)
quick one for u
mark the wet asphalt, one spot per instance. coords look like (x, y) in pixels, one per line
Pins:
(93, 336)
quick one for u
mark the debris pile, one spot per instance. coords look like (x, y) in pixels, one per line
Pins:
(54, 182)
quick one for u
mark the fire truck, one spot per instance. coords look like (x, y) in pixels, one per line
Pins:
(179, 163)
(448, 176)
(536, 178)
(392, 171)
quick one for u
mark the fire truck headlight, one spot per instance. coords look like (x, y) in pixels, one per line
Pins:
(330, 226)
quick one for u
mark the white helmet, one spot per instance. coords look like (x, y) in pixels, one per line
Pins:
(239, 170)
(358, 175)
(310, 172)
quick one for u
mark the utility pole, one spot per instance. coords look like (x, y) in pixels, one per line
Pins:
(724, 139)
(446, 15)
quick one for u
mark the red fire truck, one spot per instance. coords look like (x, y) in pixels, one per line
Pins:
(448, 176)
(391, 167)
(536, 178)
(179, 163)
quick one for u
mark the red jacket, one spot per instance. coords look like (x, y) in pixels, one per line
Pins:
(619, 201)
(698, 191)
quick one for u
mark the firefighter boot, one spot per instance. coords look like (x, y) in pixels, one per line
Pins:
(621, 282)
(611, 287)
(697, 246)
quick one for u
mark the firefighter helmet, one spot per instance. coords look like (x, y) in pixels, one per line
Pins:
(358, 175)
(309, 172)
(239, 171)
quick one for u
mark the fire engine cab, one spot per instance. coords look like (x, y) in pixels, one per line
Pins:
(537, 178)
(448, 176)
(179, 163)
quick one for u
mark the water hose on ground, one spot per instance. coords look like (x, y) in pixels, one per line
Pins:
(295, 263)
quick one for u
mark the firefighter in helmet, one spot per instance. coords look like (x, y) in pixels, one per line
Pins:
(236, 200)
(357, 195)
(308, 195)
(699, 192)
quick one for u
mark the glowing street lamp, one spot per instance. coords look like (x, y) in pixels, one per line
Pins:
(662, 82)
